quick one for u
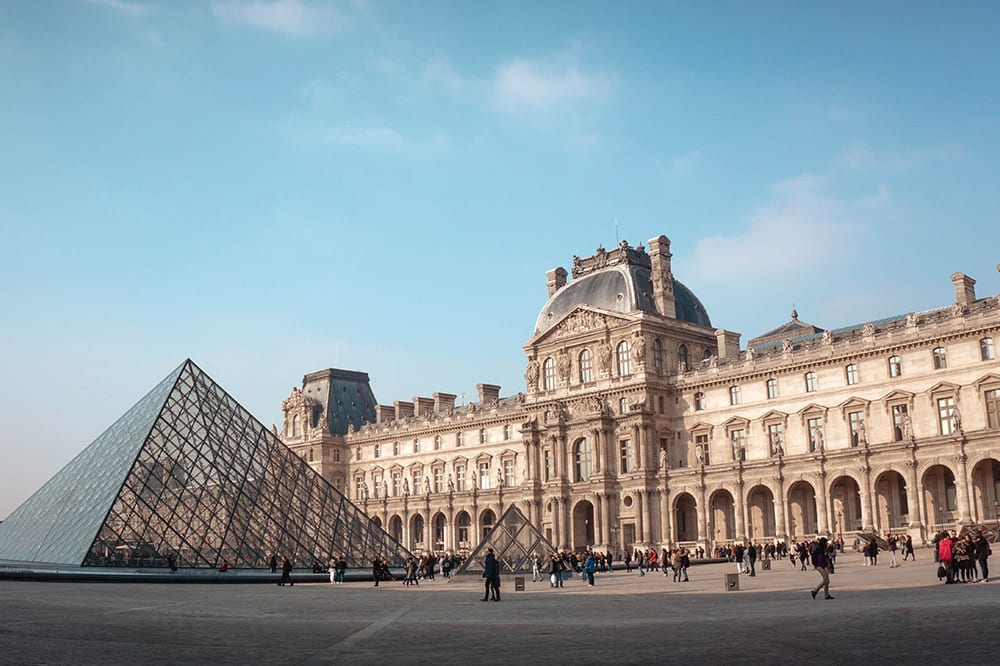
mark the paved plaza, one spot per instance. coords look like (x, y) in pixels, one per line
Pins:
(878, 614)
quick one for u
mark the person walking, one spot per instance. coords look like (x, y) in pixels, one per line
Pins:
(376, 571)
(752, 556)
(983, 553)
(491, 573)
(821, 563)
(908, 549)
(286, 572)
(273, 562)
(589, 567)
(536, 571)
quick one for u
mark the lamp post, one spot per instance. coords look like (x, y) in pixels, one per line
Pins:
(840, 524)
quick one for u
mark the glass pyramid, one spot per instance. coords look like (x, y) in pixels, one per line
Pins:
(189, 472)
(513, 540)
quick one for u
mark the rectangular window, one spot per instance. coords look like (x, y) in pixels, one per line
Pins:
(439, 479)
(857, 422)
(701, 449)
(986, 349)
(416, 446)
(460, 478)
(811, 382)
(852, 374)
(508, 431)
(459, 439)
(586, 367)
(336, 455)
(377, 451)
(699, 401)
(659, 404)
(395, 448)
(815, 426)
(900, 422)
(548, 464)
(626, 456)
(359, 488)
(776, 438)
(484, 476)
(397, 484)
(946, 408)
(418, 482)
(378, 486)
(993, 409)
(734, 395)
(437, 442)
(772, 389)
(508, 473)
(940, 359)
(738, 438)
(895, 366)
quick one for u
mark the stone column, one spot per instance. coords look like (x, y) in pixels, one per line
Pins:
(647, 523)
(598, 452)
(822, 516)
(406, 529)
(606, 523)
(640, 529)
(962, 489)
(866, 499)
(598, 519)
(665, 533)
(703, 516)
(741, 512)
(913, 503)
(567, 521)
(555, 522)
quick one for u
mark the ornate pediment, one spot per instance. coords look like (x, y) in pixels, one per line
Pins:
(581, 321)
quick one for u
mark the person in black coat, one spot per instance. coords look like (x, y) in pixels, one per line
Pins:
(983, 553)
(286, 572)
(491, 572)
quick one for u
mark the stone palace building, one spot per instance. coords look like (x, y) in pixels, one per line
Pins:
(640, 424)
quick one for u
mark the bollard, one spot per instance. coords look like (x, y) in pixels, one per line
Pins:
(732, 582)
(766, 565)
(519, 583)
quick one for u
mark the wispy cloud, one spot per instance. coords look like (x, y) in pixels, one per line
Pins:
(289, 18)
(533, 88)
(862, 157)
(130, 9)
(801, 231)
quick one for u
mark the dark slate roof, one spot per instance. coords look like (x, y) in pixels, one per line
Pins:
(623, 288)
(351, 400)
(790, 330)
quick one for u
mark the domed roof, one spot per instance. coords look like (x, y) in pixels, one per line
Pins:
(624, 288)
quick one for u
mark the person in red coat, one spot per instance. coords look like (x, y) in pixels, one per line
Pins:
(946, 558)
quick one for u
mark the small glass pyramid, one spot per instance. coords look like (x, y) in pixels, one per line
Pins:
(189, 472)
(513, 540)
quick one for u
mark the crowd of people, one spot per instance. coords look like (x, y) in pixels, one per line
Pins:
(963, 559)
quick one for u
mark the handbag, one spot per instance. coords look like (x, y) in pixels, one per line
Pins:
(941, 572)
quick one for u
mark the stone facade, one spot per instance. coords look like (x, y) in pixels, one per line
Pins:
(641, 425)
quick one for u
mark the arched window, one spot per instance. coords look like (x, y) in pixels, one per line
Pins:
(622, 405)
(851, 372)
(581, 454)
(986, 349)
(707, 354)
(940, 358)
(549, 373)
(624, 361)
(295, 425)
(699, 401)
(811, 384)
(657, 355)
(463, 528)
(311, 455)
(682, 358)
(586, 363)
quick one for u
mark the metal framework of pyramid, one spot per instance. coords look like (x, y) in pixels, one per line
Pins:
(513, 540)
(189, 472)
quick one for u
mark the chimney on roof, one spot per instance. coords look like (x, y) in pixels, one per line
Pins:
(487, 393)
(965, 289)
(444, 403)
(384, 413)
(728, 343)
(423, 406)
(663, 279)
(556, 279)
(403, 409)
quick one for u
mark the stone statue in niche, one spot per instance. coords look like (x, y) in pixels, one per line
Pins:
(406, 486)
(531, 374)
(638, 348)
(562, 365)
(451, 484)
(606, 354)
(601, 257)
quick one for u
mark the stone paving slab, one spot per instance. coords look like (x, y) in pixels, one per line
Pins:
(624, 619)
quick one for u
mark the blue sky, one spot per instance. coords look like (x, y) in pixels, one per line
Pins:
(272, 188)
